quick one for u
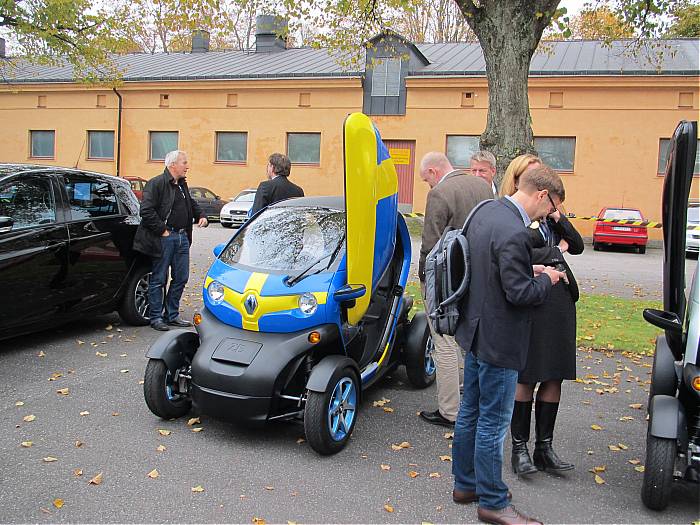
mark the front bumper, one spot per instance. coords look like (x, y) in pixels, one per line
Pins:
(239, 374)
(233, 220)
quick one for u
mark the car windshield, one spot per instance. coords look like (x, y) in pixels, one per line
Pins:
(287, 239)
(694, 214)
(622, 214)
(246, 197)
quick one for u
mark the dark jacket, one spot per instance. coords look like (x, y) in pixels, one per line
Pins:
(158, 198)
(271, 191)
(448, 204)
(495, 314)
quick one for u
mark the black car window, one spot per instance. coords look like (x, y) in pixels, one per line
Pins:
(29, 202)
(287, 239)
(127, 198)
(195, 193)
(90, 198)
(209, 195)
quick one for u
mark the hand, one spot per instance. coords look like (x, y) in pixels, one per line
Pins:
(564, 246)
(203, 223)
(556, 215)
(553, 274)
(537, 269)
(166, 233)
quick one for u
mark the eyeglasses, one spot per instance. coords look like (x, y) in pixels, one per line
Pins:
(551, 201)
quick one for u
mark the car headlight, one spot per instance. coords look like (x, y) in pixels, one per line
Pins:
(308, 303)
(215, 290)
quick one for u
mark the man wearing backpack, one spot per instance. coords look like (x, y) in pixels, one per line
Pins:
(494, 326)
(452, 196)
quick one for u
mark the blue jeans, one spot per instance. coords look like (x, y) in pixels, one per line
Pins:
(175, 256)
(481, 425)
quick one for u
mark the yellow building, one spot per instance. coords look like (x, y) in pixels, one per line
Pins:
(600, 116)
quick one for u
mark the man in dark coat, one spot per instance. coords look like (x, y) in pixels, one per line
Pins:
(495, 326)
(277, 187)
(165, 234)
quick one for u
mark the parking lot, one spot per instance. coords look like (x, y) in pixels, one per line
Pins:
(81, 384)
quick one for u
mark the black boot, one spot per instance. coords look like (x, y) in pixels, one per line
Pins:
(520, 434)
(544, 456)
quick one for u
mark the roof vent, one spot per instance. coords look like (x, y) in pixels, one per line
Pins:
(270, 33)
(200, 41)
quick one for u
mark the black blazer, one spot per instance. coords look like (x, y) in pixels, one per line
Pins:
(495, 314)
(271, 191)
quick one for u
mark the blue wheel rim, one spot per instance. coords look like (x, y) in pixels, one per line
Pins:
(429, 361)
(341, 409)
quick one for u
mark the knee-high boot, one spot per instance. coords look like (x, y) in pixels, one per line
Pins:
(520, 434)
(544, 456)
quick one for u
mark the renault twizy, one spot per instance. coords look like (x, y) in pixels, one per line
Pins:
(304, 308)
(673, 435)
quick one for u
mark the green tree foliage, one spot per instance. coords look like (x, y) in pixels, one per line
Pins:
(686, 21)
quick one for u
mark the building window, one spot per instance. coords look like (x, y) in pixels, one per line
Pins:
(304, 100)
(386, 77)
(557, 152)
(467, 99)
(685, 100)
(41, 101)
(460, 148)
(42, 144)
(160, 143)
(164, 101)
(101, 145)
(231, 146)
(304, 148)
(663, 157)
(232, 100)
(556, 99)
(101, 101)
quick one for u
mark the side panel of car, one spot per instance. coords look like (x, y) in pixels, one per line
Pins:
(34, 253)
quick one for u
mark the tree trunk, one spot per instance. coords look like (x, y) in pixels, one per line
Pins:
(509, 32)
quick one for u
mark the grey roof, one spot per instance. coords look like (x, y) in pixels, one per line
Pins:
(567, 58)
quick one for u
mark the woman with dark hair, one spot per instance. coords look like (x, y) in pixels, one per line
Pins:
(552, 352)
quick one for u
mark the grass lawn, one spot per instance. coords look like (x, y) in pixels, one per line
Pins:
(607, 323)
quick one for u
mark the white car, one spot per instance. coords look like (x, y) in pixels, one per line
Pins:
(235, 213)
(692, 236)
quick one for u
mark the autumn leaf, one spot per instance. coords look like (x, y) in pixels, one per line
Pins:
(197, 429)
(193, 421)
(164, 432)
(63, 391)
(85, 413)
(77, 472)
(78, 443)
(413, 474)
(622, 446)
(639, 468)
(388, 409)
(58, 503)
(50, 459)
(449, 435)
(124, 371)
(101, 354)
(153, 474)
(198, 488)
(614, 448)
(258, 521)
(108, 327)
(19, 403)
(41, 354)
(633, 461)
(595, 470)
(636, 406)
(388, 508)
(385, 467)
(403, 444)
(445, 458)
(300, 441)
(599, 480)
(596, 427)
(434, 475)
(80, 342)
(269, 487)
(160, 448)
(29, 418)
(26, 444)
(97, 480)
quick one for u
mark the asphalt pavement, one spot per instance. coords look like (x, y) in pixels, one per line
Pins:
(82, 385)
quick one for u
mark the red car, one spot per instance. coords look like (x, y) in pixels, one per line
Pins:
(610, 233)
(137, 184)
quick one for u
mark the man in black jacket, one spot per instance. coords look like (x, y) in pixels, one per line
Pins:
(495, 327)
(277, 187)
(165, 234)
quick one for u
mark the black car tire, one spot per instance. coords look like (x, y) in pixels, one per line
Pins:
(316, 420)
(156, 382)
(227, 225)
(414, 356)
(596, 246)
(134, 304)
(642, 250)
(658, 472)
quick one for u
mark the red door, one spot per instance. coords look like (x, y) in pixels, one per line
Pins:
(403, 154)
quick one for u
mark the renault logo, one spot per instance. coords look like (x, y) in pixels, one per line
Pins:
(250, 303)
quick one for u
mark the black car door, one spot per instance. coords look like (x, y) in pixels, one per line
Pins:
(97, 263)
(33, 250)
(679, 175)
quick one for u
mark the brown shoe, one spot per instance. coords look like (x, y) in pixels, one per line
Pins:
(506, 516)
(465, 497)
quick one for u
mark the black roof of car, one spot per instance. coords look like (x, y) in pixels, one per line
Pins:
(336, 203)
(13, 169)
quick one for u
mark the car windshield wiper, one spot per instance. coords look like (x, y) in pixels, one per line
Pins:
(291, 281)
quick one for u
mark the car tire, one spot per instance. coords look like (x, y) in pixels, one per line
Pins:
(227, 225)
(596, 246)
(133, 309)
(158, 392)
(658, 472)
(642, 250)
(418, 357)
(326, 412)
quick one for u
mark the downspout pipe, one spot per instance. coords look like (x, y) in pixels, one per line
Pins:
(119, 130)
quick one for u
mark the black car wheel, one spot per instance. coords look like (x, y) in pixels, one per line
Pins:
(596, 246)
(329, 417)
(642, 250)
(160, 392)
(226, 225)
(418, 357)
(658, 472)
(134, 306)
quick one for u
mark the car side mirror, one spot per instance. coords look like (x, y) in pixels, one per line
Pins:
(6, 224)
(219, 248)
(347, 294)
(664, 320)
(217, 198)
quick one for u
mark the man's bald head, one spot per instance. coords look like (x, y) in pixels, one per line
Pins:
(433, 167)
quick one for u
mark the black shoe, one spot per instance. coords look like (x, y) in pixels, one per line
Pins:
(544, 456)
(436, 418)
(520, 434)
(180, 323)
(160, 326)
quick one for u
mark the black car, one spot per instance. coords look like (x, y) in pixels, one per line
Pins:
(66, 248)
(210, 203)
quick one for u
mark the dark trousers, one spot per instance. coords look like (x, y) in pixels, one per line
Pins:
(481, 425)
(175, 256)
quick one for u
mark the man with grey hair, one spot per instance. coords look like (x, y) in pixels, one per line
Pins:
(452, 196)
(165, 234)
(483, 165)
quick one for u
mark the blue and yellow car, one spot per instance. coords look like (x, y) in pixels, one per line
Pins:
(304, 308)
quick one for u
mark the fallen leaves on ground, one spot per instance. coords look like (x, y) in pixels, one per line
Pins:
(50, 459)
(258, 521)
(77, 472)
(153, 474)
(445, 458)
(84, 413)
(26, 444)
(388, 508)
(636, 406)
(381, 402)
(413, 474)
(434, 475)
(449, 435)
(78, 443)
(403, 444)
(101, 354)
(193, 421)
(385, 467)
(58, 503)
(599, 480)
(160, 448)
(596, 427)
(633, 461)
(597, 469)
(197, 429)
(97, 480)
(164, 432)
(639, 468)
(269, 487)
(19, 403)
(198, 488)
(41, 354)
(300, 441)
(63, 391)
(388, 409)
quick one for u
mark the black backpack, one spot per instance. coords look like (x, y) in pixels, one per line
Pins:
(447, 273)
